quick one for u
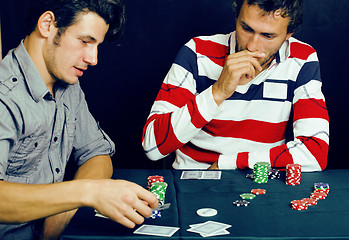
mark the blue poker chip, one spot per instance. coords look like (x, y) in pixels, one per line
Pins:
(156, 214)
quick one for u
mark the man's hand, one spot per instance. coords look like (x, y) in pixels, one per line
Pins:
(123, 201)
(214, 166)
(239, 69)
(55, 225)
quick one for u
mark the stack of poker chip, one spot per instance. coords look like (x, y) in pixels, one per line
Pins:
(320, 192)
(155, 178)
(293, 174)
(158, 187)
(261, 172)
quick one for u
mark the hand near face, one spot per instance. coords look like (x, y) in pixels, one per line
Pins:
(239, 69)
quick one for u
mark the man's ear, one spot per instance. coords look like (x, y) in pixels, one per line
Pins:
(289, 35)
(46, 23)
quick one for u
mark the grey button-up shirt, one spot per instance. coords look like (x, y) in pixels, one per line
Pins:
(38, 133)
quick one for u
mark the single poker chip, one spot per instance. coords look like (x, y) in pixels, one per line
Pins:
(310, 201)
(247, 196)
(241, 203)
(250, 175)
(321, 185)
(206, 212)
(258, 191)
(156, 214)
(299, 204)
(318, 196)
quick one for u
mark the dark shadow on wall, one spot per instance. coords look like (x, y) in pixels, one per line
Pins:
(122, 87)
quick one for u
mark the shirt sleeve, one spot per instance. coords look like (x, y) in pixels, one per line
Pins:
(7, 136)
(179, 111)
(89, 140)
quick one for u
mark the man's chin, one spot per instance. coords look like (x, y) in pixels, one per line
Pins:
(68, 81)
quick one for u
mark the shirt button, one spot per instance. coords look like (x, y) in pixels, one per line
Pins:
(57, 170)
(55, 139)
(36, 144)
(14, 79)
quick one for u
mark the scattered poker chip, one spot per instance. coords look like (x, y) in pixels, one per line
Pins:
(258, 191)
(310, 201)
(250, 175)
(206, 212)
(326, 191)
(274, 173)
(320, 192)
(299, 205)
(155, 214)
(318, 195)
(241, 203)
(247, 196)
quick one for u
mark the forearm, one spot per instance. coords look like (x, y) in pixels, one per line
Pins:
(25, 202)
(167, 132)
(97, 167)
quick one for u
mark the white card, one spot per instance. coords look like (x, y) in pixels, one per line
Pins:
(191, 175)
(218, 233)
(212, 175)
(209, 227)
(155, 230)
(201, 175)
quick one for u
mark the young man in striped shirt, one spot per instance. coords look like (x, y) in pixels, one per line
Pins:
(226, 100)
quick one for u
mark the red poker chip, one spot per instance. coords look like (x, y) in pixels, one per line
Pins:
(326, 191)
(156, 178)
(258, 191)
(310, 201)
(318, 196)
(299, 204)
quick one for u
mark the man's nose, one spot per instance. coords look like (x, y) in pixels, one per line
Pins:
(253, 43)
(91, 56)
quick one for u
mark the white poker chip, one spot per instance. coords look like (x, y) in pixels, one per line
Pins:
(207, 212)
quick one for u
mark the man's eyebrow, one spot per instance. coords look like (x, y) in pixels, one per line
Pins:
(88, 38)
(247, 27)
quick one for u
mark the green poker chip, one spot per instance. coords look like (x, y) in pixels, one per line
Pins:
(247, 196)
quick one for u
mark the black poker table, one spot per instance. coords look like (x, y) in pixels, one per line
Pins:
(268, 216)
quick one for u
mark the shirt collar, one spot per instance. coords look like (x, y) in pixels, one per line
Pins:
(36, 85)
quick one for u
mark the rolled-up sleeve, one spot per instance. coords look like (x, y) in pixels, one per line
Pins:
(89, 140)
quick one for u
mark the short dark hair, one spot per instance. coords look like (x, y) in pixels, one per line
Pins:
(66, 11)
(289, 8)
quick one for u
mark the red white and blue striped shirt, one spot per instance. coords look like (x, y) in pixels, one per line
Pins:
(248, 127)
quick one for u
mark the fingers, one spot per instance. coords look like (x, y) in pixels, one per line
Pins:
(246, 57)
(126, 203)
(239, 69)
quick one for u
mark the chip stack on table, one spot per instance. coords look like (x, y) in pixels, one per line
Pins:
(320, 192)
(155, 178)
(293, 174)
(261, 172)
(159, 190)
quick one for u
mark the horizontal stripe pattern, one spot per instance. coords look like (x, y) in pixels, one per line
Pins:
(249, 126)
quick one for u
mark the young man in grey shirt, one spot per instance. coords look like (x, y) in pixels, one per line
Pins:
(44, 119)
